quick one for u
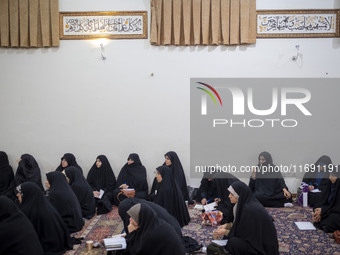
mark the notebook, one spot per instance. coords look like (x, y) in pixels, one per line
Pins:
(115, 243)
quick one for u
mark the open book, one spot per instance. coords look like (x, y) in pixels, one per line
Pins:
(114, 243)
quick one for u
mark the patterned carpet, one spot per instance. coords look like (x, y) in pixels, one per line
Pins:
(291, 239)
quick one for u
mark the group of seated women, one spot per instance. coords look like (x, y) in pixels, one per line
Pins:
(70, 199)
(269, 188)
(257, 234)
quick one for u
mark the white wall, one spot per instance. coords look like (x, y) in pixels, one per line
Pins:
(67, 99)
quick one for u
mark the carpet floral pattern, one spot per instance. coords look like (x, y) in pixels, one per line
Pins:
(291, 239)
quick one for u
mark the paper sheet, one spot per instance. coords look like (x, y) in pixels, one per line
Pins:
(197, 206)
(210, 207)
(220, 242)
(304, 225)
(315, 190)
(101, 193)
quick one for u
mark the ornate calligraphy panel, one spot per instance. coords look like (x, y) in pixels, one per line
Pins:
(114, 25)
(297, 23)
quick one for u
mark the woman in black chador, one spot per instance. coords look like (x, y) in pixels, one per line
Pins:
(169, 196)
(54, 236)
(101, 177)
(253, 230)
(207, 192)
(161, 212)
(68, 160)
(221, 182)
(65, 201)
(317, 178)
(28, 171)
(149, 234)
(132, 176)
(17, 234)
(172, 161)
(82, 190)
(268, 185)
(6, 173)
(327, 210)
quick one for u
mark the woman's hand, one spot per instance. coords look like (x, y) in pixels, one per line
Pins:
(96, 193)
(317, 214)
(124, 186)
(204, 201)
(286, 193)
(253, 172)
(220, 231)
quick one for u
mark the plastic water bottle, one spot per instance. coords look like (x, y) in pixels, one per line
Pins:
(305, 195)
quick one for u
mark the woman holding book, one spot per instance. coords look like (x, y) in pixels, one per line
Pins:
(131, 181)
(317, 178)
(102, 181)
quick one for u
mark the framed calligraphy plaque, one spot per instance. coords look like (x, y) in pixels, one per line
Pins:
(297, 23)
(112, 25)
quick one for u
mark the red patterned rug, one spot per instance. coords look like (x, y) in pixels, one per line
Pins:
(291, 239)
